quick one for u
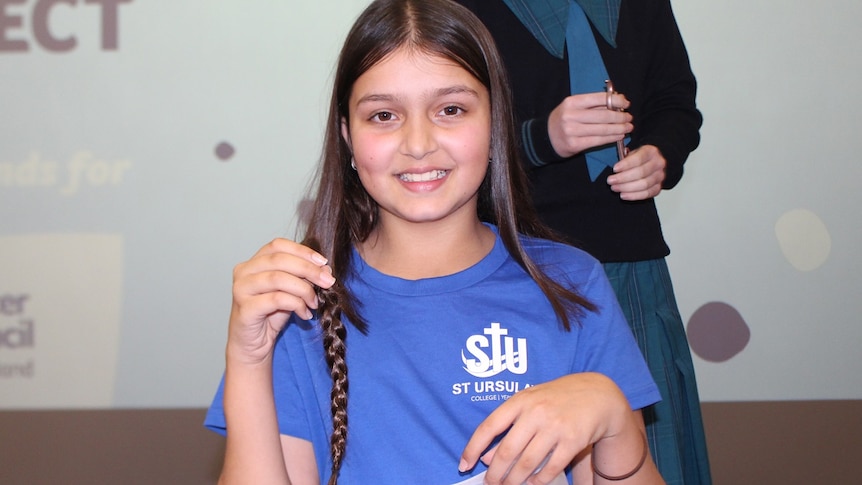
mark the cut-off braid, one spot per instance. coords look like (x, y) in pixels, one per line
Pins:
(334, 336)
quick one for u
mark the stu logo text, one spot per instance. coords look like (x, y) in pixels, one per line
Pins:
(493, 352)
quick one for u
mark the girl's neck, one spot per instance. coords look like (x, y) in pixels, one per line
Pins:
(426, 250)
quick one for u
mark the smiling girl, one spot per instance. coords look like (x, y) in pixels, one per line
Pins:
(477, 348)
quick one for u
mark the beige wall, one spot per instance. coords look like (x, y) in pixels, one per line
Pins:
(758, 443)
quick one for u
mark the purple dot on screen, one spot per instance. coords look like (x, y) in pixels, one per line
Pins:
(224, 151)
(717, 332)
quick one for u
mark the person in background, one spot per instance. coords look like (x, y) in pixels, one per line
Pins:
(559, 53)
(478, 351)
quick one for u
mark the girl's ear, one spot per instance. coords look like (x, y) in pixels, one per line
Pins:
(345, 133)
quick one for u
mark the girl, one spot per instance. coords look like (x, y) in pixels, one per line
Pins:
(467, 337)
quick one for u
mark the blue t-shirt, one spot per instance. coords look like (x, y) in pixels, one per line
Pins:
(441, 354)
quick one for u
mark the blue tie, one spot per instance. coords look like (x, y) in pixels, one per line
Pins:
(587, 74)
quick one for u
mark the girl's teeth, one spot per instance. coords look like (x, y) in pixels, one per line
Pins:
(423, 177)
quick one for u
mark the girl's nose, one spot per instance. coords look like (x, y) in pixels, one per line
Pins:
(419, 138)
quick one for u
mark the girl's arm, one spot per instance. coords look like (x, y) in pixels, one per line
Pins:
(617, 457)
(277, 281)
(573, 419)
(299, 459)
(253, 453)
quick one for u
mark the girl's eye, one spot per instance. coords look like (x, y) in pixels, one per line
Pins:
(452, 110)
(382, 116)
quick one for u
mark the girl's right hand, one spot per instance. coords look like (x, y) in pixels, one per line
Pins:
(277, 281)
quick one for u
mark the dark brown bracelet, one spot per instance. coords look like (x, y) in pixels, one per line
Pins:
(629, 474)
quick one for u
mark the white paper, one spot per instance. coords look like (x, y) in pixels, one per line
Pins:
(478, 480)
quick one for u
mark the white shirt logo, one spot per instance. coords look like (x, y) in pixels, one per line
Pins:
(503, 355)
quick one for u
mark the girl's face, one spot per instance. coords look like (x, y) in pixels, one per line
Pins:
(419, 128)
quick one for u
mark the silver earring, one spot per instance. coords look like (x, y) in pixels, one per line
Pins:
(353, 164)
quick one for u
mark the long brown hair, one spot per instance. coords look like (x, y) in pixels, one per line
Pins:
(344, 214)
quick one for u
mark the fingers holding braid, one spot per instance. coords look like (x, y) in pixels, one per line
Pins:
(277, 281)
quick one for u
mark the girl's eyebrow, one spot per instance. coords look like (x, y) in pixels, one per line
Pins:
(370, 98)
(456, 89)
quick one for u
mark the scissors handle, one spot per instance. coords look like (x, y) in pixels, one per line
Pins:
(622, 151)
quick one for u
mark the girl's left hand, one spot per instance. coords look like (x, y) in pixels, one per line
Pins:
(640, 174)
(560, 418)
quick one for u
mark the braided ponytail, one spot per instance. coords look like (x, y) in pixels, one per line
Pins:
(334, 336)
(335, 351)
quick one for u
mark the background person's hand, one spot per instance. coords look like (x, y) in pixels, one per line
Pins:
(640, 174)
(583, 121)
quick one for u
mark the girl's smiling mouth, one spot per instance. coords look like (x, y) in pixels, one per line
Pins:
(423, 177)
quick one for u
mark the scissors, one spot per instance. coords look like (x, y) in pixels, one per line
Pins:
(622, 151)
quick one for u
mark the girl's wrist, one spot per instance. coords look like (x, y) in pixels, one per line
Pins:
(239, 357)
(622, 456)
